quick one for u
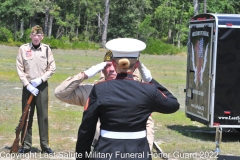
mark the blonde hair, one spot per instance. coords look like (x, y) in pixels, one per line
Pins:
(125, 64)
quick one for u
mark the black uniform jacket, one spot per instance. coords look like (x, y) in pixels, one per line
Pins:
(123, 105)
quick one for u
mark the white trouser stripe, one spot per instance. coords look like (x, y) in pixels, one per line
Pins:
(123, 135)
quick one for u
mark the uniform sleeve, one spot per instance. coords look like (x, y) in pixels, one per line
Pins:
(20, 68)
(165, 102)
(51, 66)
(72, 91)
(88, 126)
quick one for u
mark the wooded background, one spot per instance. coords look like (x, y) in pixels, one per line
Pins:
(101, 20)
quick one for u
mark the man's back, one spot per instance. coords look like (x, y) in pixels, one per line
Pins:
(124, 104)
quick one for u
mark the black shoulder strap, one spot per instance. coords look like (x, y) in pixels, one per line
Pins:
(47, 55)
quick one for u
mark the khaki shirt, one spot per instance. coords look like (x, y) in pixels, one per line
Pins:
(32, 63)
(72, 92)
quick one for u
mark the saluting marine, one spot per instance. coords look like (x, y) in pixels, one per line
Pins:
(123, 107)
(72, 90)
(35, 65)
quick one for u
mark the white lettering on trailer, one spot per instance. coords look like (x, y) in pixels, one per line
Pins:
(198, 33)
(200, 93)
(197, 106)
(200, 113)
(230, 118)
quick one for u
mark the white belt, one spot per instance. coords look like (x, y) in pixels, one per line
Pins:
(123, 135)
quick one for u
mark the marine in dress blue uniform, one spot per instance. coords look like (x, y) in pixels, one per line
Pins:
(123, 106)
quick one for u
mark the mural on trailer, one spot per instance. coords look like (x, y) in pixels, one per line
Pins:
(199, 57)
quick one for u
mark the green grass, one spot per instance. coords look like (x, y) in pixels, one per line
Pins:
(173, 132)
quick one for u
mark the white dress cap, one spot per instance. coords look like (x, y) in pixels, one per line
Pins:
(125, 47)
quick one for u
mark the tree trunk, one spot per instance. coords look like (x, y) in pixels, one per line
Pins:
(77, 26)
(180, 29)
(205, 6)
(46, 21)
(59, 32)
(196, 7)
(79, 18)
(105, 26)
(21, 28)
(66, 31)
(50, 26)
(15, 27)
(99, 24)
(173, 37)
(169, 35)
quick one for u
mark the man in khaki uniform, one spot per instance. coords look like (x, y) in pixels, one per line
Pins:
(73, 92)
(35, 65)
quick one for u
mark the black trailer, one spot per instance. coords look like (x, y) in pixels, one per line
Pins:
(213, 70)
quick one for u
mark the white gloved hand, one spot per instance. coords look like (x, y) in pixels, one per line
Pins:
(32, 89)
(145, 73)
(95, 69)
(36, 82)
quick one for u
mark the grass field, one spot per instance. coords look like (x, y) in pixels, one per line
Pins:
(176, 135)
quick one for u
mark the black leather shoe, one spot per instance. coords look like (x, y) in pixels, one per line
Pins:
(48, 150)
(24, 150)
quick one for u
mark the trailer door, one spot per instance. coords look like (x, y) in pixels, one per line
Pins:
(199, 72)
(227, 83)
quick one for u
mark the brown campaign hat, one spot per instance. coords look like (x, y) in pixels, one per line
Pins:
(108, 56)
(37, 30)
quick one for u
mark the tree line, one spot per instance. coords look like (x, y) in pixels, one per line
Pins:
(98, 21)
